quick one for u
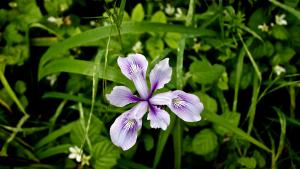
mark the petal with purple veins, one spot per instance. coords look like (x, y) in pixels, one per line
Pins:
(158, 117)
(160, 75)
(134, 67)
(186, 106)
(124, 130)
(121, 96)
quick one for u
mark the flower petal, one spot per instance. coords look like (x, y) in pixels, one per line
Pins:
(160, 75)
(186, 106)
(162, 99)
(123, 131)
(139, 110)
(159, 118)
(121, 96)
(134, 67)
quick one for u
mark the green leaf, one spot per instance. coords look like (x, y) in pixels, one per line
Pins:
(54, 135)
(20, 87)
(205, 142)
(248, 162)
(138, 13)
(77, 133)
(105, 155)
(287, 8)
(53, 151)
(283, 56)
(204, 73)
(148, 142)
(155, 46)
(172, 39)
(12, 35)
(260, 159)
(232, 118)
(55, 7)
(280, 33)
(159, 17)
(220, 121)
(126, 28)
(85, 68)
(210, 104)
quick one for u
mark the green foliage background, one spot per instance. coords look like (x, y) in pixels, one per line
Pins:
(58, 60)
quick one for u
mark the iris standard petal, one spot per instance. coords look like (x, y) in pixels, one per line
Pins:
(186, 106)
(159, 118)
(134, 67)
(160, 75)
(121, 96)
(124, 130)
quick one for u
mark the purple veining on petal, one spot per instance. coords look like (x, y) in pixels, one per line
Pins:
(158, 117)
(186, 106)
(160, 75)
(123, 131)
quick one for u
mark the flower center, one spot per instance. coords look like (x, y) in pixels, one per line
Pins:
(134, 68)
(177, 102)
(130, 124)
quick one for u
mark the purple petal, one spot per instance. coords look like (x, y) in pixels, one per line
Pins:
(186, 106)
(123, 131)
(134, 67)
(159, 118)
(162, 99)
(121, 96)
(160, 74)
(140, 109)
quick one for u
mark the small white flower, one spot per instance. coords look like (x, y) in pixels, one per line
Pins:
(169, 9)
(85, 160)
(264, 27)
(279, 70)
(137, 48)
(93, 23)
(75, 153)
(52, 19)
(279, 19)
(52, 79)
(178, 13)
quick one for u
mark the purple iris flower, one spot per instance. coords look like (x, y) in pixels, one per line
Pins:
(124, 130)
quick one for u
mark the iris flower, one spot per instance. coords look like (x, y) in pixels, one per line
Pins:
(124, 130)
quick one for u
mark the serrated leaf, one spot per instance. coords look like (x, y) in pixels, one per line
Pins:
(138, 13)
(105, 155)
(204, 73)
(205, 142)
